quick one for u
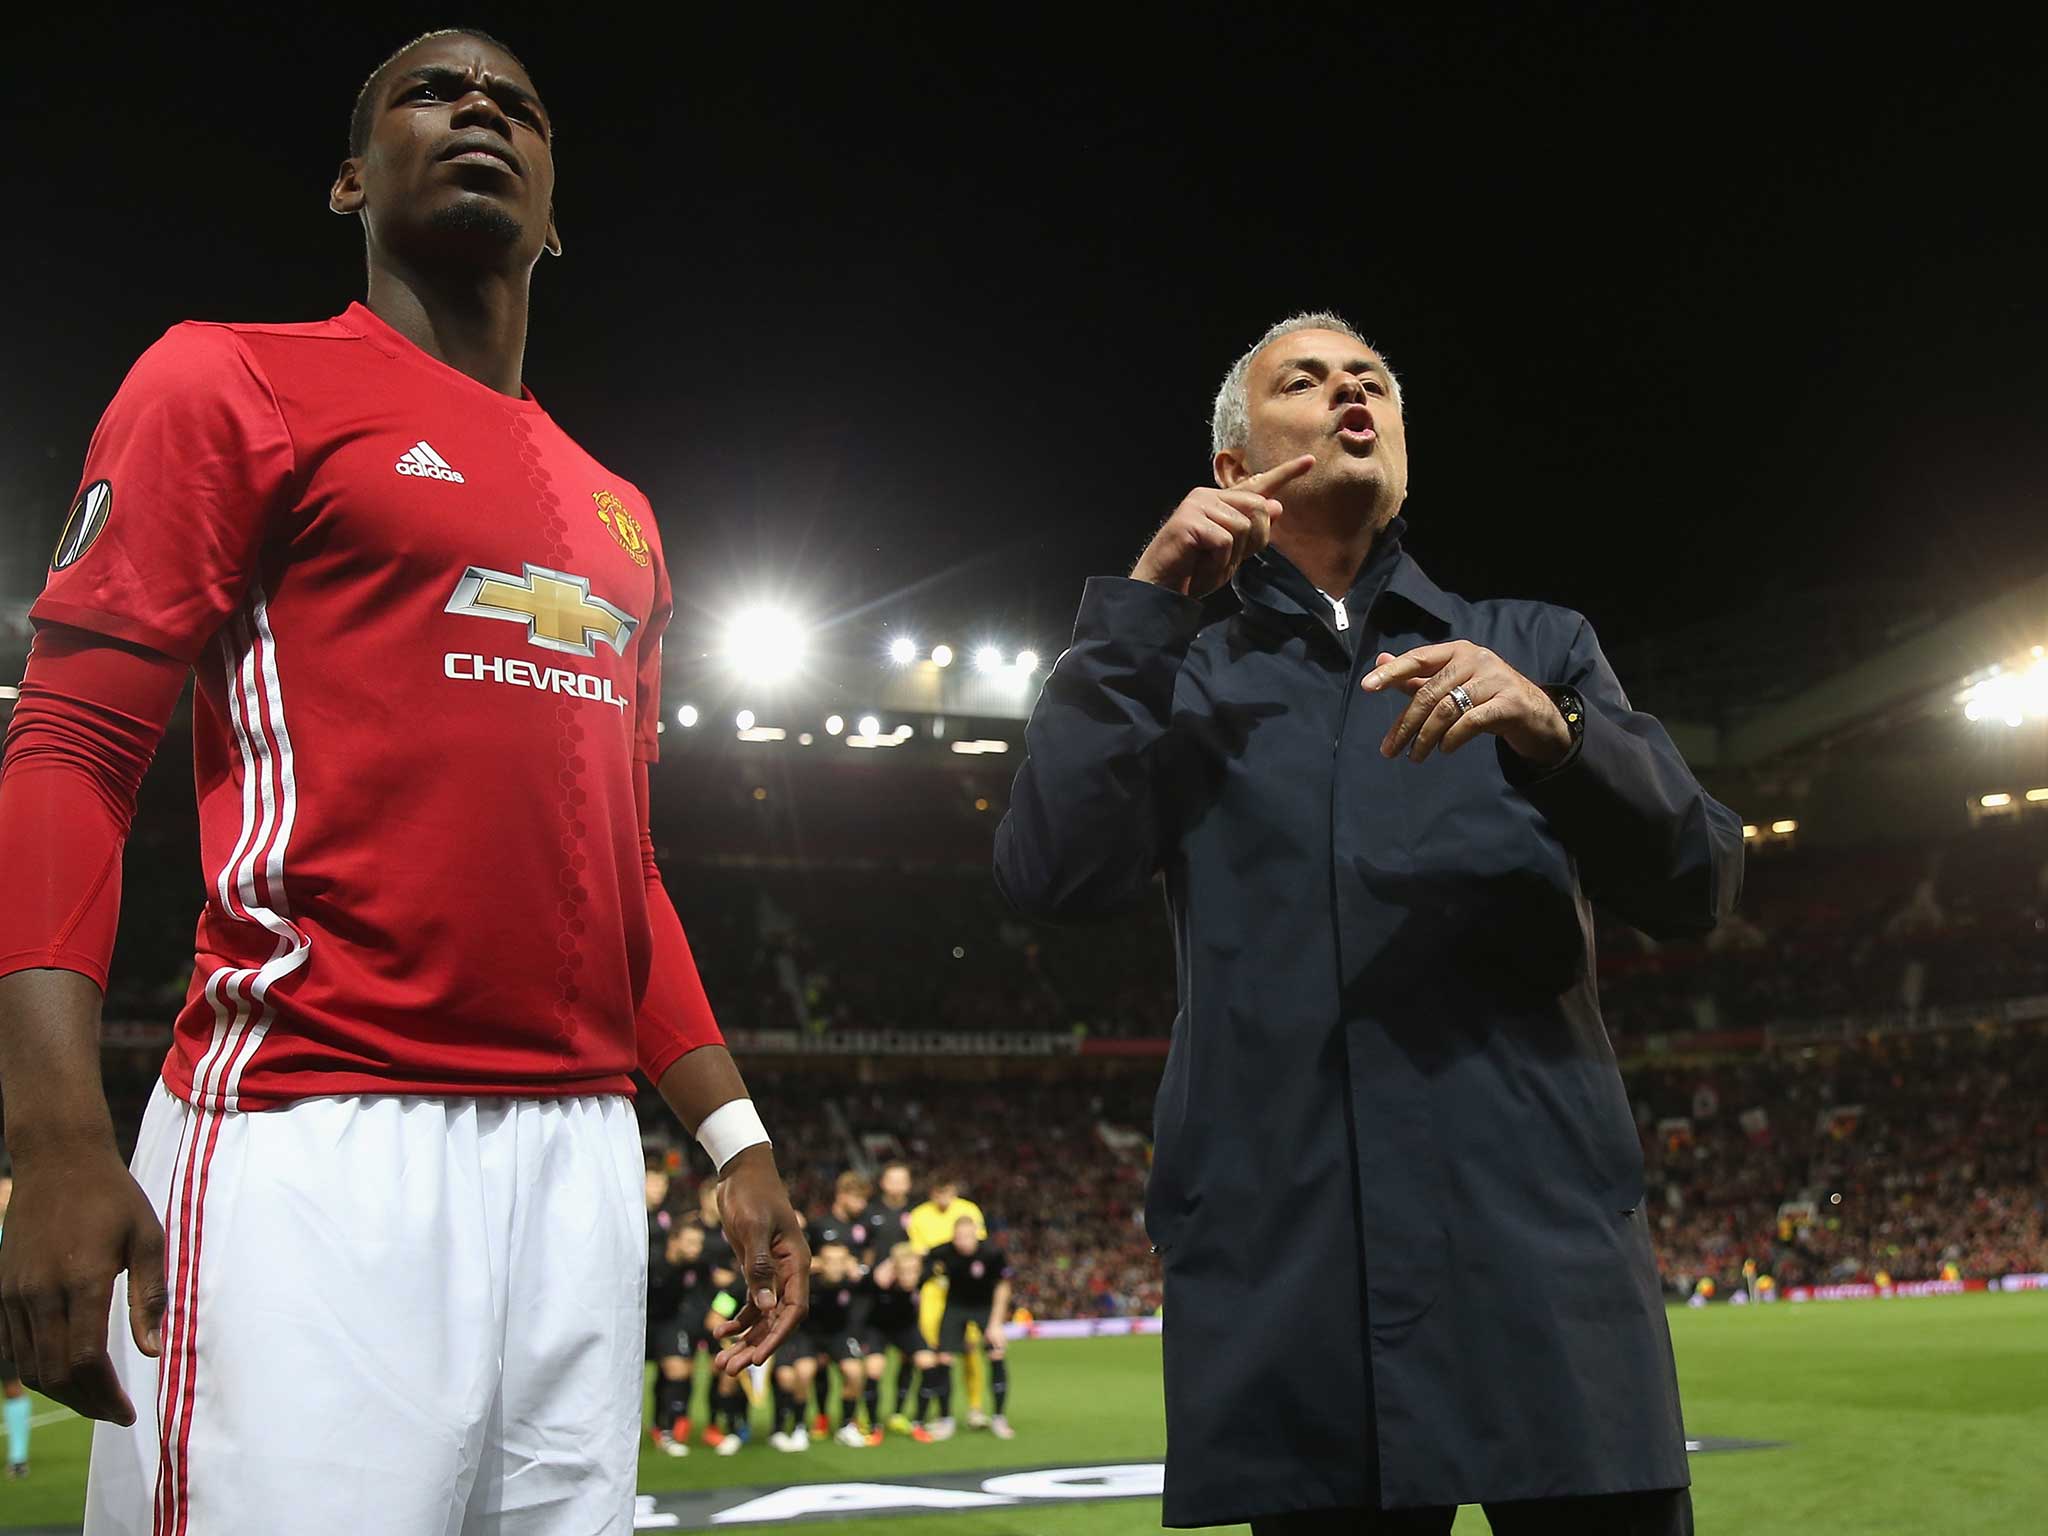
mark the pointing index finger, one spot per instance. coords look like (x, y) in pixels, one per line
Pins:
(1263, 482)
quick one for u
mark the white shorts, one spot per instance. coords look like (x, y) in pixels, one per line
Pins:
(399, 1316)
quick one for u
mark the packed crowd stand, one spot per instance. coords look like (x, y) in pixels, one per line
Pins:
(1940, 1169)
(1906, 1157)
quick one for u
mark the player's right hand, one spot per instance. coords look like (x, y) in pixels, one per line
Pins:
(768, 1242)
(78, 1219)
(1213, 531)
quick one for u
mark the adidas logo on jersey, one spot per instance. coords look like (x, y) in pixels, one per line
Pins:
(420, 459)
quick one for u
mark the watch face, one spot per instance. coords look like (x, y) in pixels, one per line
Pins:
(1569, 705)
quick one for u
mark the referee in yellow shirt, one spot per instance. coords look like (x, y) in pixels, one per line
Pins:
(930, 1226)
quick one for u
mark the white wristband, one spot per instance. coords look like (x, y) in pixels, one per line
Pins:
(729, 1130)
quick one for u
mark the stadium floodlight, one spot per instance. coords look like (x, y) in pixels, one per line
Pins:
(2012, 694)
(870, 726)
(1748, 830)
(834, 724)
(903, 650)
(1027, 662)
(765, 643)
(942, 655)
(744, 719)
(1785, 826)
(2036, 796)
(988, 659)
(687, 716)
(1993, 802)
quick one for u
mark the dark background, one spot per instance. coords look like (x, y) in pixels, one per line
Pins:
(1695, 316)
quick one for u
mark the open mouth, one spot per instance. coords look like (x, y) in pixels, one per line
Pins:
(1355, 424)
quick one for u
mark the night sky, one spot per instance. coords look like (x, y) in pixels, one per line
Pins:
(1690, 317)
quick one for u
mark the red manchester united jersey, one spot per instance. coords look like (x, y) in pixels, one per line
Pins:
(426, 629)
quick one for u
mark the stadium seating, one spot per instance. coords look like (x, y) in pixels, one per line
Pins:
(1894, 979)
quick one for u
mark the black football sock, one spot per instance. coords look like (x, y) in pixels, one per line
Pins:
(789, 1410)
(945, 1390)
(671, 1402)
(927, 1392)
(849, 1412)
(904, 1373)
(871, 1395)
(821, 1391)
(999, 1384)
(734, 1406)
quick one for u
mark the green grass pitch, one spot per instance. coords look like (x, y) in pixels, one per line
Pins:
(1903, 1416)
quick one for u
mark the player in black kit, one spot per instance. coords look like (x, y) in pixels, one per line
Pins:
(663, 1294)
(977, 1275)
(839, 1323)
(849, 1221)
(846, 1223)
(729, 1405)
(687, 1333)
(888, 1214)
(892, 1320)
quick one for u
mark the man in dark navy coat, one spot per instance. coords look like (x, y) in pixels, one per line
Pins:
(1397, 1188)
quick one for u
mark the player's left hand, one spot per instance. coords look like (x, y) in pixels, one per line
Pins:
(993, 1338)
(774, 1260)
(1504, 704)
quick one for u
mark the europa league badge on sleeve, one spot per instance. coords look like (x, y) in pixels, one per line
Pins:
(88, 516)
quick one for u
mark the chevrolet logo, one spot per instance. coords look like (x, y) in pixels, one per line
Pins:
(557, 609)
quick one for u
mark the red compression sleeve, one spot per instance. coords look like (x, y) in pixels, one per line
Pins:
(85, 726)
(675, 1015)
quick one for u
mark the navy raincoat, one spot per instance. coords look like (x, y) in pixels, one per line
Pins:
(1397, 1187)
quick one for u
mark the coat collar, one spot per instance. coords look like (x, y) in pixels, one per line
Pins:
(1270, 580)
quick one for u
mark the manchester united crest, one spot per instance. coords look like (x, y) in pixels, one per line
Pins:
(624, 525)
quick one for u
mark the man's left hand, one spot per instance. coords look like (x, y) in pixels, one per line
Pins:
(1503, 703)
(773, 1258)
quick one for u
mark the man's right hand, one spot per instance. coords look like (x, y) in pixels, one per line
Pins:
(78, 1219)
(1212, 532)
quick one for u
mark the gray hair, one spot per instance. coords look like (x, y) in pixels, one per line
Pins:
(1230, 423)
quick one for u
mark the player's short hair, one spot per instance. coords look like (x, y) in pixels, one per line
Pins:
(904, 1251)
(835, 1243)
(852, 1183)
(366, 99)
(966, 1221)
(1230, 420)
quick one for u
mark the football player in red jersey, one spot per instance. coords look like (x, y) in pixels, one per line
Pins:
(378, 1263)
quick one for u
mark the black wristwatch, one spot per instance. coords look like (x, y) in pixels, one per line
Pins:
(1573, 708)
